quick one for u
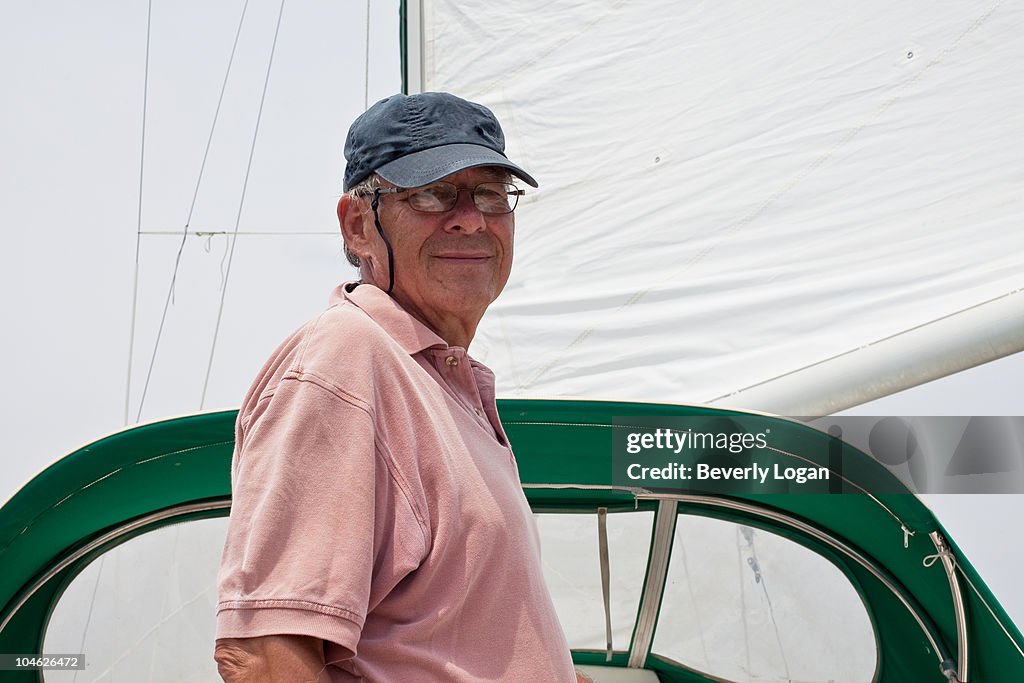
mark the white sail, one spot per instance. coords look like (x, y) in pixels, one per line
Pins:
(739, 202)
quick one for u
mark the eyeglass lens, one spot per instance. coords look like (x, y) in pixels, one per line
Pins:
(490, 198)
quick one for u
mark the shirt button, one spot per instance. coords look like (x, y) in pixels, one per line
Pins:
(452, 361)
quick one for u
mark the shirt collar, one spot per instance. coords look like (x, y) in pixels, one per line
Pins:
(412, 335)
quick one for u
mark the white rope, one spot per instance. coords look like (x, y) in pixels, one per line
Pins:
(929, 560)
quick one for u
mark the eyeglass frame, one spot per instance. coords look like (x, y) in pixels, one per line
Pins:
(517, 193)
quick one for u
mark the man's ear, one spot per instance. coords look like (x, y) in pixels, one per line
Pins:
(354, 226)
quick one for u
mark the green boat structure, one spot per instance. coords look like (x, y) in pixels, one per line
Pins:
(852, 579)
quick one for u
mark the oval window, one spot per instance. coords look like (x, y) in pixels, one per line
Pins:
(145, 610)
(744, 605)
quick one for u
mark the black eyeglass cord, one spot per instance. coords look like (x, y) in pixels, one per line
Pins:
(391, 256)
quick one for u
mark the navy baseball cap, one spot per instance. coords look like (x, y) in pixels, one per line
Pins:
(414, 140)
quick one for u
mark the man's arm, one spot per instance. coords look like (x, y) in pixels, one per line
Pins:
(271, 659)
(284, 659)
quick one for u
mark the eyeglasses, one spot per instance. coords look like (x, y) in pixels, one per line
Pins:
(492, 199)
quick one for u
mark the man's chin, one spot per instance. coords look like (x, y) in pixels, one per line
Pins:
(467, 293)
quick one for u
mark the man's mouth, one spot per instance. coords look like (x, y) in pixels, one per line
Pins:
(463, 256)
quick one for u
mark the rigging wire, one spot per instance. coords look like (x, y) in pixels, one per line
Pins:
(165, 612)
(755, 566)
(188, 220)
(88, 615)
(743, 604)
(138, 223)
(241, 205)
(135, 291)
(680, 546)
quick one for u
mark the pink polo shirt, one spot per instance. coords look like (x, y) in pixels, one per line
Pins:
(377, 505)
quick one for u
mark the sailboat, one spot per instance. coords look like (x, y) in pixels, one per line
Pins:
(783, 210)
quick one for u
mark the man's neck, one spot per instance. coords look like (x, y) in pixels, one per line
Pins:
(456, 329)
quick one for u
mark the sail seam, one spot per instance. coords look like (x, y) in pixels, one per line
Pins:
(882, 340)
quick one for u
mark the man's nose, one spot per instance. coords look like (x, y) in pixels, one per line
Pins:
(465, 216)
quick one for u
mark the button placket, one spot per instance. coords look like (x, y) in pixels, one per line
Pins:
(463, 386)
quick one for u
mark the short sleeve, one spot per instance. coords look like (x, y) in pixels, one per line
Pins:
(319, 529)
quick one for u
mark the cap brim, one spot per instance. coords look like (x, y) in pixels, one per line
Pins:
(430, 165)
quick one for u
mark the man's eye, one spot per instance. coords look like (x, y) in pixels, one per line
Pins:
(431, 196)
(436, 191)
(489, 195)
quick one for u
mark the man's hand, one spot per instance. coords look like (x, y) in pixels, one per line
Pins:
(583, 678)
(271, 659)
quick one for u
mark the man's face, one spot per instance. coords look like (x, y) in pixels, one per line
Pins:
(447, 265)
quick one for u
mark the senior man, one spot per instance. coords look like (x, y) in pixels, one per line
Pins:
(378, 529)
